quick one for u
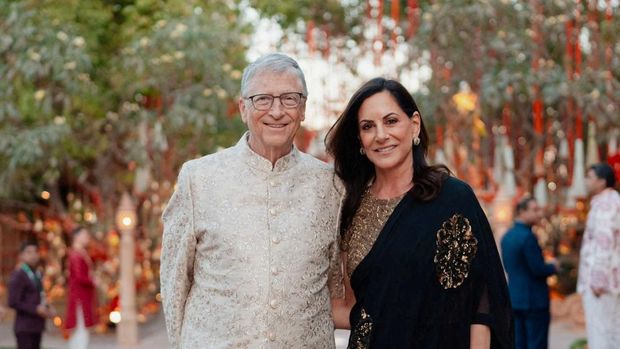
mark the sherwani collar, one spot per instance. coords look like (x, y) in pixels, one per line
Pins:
(256, 161)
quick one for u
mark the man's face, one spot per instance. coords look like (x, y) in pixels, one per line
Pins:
(30, 255)
(532, 214)
(594, 185)
(272, 131)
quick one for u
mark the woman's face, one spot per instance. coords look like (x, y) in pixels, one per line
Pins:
(83, 238)
(386, 132)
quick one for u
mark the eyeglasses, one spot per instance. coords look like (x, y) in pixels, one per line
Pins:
(289, 100)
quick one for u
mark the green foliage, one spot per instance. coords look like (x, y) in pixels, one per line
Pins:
(338, 17)
(90, 89)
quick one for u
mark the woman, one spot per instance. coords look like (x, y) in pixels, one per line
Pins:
(81, 294)
(422, 268)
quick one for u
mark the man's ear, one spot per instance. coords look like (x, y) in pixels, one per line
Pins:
(242, 109)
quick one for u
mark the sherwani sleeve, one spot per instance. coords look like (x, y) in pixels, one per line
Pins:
(335, 279)
(177, 255)
(602, 253)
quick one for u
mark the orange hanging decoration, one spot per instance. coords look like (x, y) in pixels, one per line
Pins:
(310, 37)
(569, 49)
(326, 49)
(506, 119)
(439, 130)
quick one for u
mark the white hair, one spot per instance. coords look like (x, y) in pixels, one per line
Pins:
(273, 63)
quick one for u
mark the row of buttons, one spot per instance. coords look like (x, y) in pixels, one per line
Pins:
(274, 270)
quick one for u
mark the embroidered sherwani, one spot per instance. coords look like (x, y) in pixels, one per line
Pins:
(250, 252)
(599, 266)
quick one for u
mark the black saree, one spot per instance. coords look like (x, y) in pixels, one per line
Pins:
(433, 271)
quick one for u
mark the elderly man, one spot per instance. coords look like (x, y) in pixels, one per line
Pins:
(250, 250)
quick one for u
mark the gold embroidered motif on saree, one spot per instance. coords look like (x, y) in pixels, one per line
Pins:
(456, 248)
(361, 334)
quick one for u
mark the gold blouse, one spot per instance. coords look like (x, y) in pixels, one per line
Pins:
(366, 226)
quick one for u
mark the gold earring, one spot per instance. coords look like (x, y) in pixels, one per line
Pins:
(416, 141)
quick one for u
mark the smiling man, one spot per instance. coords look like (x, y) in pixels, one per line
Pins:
(250, 250)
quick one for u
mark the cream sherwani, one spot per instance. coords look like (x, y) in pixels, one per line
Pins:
(250, 252)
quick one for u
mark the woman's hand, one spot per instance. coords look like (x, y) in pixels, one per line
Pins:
(480, 337)
(340, 313)
(341, 307)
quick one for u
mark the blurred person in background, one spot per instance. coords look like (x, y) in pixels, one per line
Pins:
(599, 263)
(527, 277)
(26, 296)
(81, 293)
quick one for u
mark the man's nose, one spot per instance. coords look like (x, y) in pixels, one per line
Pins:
(277, 109)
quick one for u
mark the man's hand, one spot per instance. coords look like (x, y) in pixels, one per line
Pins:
(42, 310)
(45, 311)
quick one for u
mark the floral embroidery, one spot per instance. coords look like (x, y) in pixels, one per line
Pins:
(456, 248)
(361, 334)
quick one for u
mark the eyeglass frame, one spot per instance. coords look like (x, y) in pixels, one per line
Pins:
(273, 98)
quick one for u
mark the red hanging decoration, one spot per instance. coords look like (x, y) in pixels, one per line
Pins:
(538, 116)
(579, 124)
(379, 39)
(396, 18)
(412, 11)
(608, 50)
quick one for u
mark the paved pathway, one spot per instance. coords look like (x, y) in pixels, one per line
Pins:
(153, 336)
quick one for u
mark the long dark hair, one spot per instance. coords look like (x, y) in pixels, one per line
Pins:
(356, 171)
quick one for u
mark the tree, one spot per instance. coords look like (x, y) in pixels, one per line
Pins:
(93, 91)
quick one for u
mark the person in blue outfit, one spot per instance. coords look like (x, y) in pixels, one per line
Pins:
(527, 277)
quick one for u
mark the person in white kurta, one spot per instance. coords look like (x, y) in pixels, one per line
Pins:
(599, 265)
(250, 245)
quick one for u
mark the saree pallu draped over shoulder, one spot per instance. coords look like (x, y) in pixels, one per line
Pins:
(433, 271)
